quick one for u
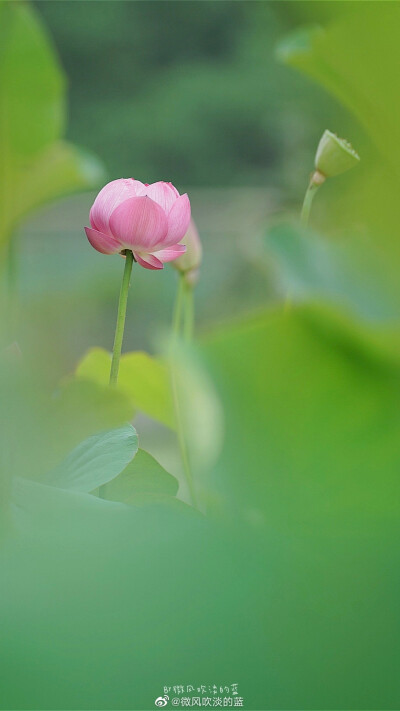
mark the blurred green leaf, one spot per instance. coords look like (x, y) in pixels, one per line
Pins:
(295, 49)
(95, 365)
(142, 378)
(40, 427)
(310, 466)
(60, 169)
(146, 379)
(32, 85)
(308, 266)
(95, 461)
(54, 422)
(356, 59)
(316, 403)
(82, 408)
(37, 508)
(143, 476)
(34, 165)
(198, 409)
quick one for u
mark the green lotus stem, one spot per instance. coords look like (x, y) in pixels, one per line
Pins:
(182, 310)
(307, 203)
(177, 317)
(119, 329)
(181, 440)
(183, 318)
(189, 313)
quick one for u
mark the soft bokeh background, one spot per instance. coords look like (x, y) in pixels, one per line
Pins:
(290, 585)
(187, 92)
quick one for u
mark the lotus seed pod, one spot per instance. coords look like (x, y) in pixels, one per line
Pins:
(334, 156)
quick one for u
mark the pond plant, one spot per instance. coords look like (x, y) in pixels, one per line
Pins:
(276, 565)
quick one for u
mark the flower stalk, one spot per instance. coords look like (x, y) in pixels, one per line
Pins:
(182, 440)
(178, 308)
(317, 179)
(334, 156)
(120, 326)
(182, 326)
(188, 321)
(183, 318)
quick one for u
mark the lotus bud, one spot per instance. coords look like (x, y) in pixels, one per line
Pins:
(189, 262)
(334, 156)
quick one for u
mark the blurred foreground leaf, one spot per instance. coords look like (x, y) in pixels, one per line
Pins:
(293, 575)
(310, 465)
(142, 378)
(41, 510)
(356, 59)
(59, 170)
(160, 388)
(83, 408)
(198, 409)
(35, 166)
(95, 461)
(315, 399)
(41, 425)
(307, 267)
(142, 477)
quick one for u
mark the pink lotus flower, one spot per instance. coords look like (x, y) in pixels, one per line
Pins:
(150, 220)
